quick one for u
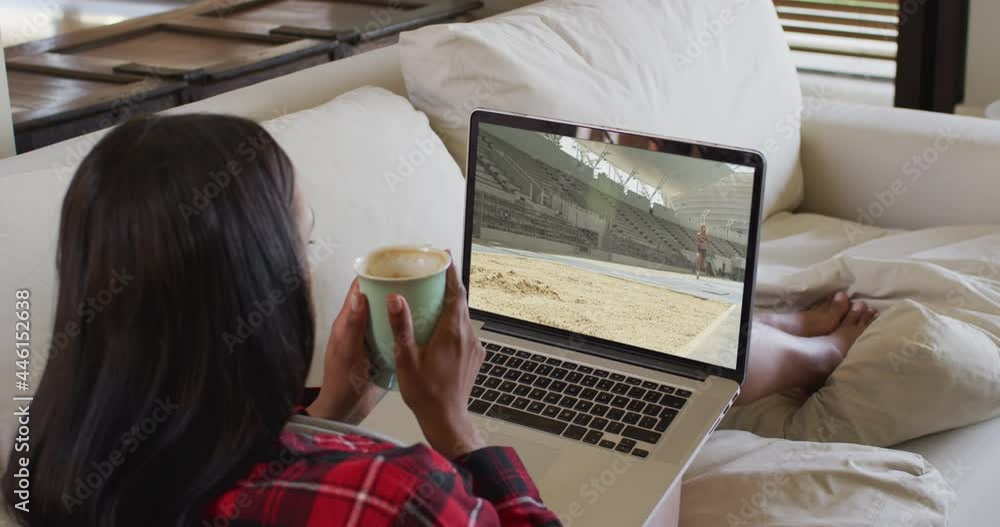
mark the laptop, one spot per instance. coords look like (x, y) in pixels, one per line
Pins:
(610, 277)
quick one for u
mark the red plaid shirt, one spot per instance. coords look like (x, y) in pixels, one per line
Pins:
(328, 479)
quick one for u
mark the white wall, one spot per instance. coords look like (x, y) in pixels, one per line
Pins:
(982, 75)
(6, 121)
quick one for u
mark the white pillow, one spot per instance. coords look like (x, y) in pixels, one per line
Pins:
(712, 70)
(741, 479)
(375, 174)
(931, 362)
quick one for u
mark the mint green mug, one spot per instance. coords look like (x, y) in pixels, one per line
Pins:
(418, 274)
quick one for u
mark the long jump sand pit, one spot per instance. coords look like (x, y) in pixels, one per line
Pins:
(589, 302)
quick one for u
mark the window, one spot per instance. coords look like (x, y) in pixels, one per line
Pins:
(856, 38)
(910, 53)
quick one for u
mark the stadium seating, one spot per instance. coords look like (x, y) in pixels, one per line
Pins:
(633, 231)
(518, 217)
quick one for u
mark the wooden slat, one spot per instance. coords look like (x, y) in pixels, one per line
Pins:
(435, 12)
(840, 21)
(159, 71)
(91, 101)
(235, 65)
(888, 9)
(235, 79)
(73, 66)
(839, 33)
(312, 32)
(369, 27)
(84, 36)
(225, 27)
(55, 129)
(33, 91)
(173, 51)
(269, 58)
(334, 16)
(845, 53)
(227, 7)
(232, 7)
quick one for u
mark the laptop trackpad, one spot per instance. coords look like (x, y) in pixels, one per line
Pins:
(537, 457)
(537, 451)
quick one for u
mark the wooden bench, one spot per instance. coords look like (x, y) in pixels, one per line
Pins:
(73, 84)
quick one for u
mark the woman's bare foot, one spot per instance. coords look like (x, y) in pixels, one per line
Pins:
(824, 353)
(855, 322)
(821, 319)
(780, 361)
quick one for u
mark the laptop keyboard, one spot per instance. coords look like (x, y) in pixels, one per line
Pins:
(603, 408)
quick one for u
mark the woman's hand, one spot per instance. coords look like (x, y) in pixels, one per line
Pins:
(348, 394)
(435, 379)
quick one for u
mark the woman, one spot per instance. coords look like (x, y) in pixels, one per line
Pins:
(701, 245)
(168, 405)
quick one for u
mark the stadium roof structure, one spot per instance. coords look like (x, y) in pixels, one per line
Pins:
(673, 175)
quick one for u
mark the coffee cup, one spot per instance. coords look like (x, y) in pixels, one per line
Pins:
(418, 274)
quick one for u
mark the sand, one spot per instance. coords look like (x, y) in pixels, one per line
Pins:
(589, 302)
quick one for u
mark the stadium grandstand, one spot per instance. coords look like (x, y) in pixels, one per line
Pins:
(543, 190)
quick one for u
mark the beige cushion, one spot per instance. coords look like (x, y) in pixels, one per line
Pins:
(969, 460)
(896, 167)
(713, 70)
(741, 479)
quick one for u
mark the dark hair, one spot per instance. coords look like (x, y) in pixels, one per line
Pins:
(184, 301)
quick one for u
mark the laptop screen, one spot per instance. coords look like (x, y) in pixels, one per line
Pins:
(616, 236)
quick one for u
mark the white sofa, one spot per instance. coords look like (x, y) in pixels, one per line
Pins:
(850, 156)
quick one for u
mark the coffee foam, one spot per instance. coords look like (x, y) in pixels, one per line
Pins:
(399, 263)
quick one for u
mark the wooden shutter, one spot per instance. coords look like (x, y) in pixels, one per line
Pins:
(853, 37)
